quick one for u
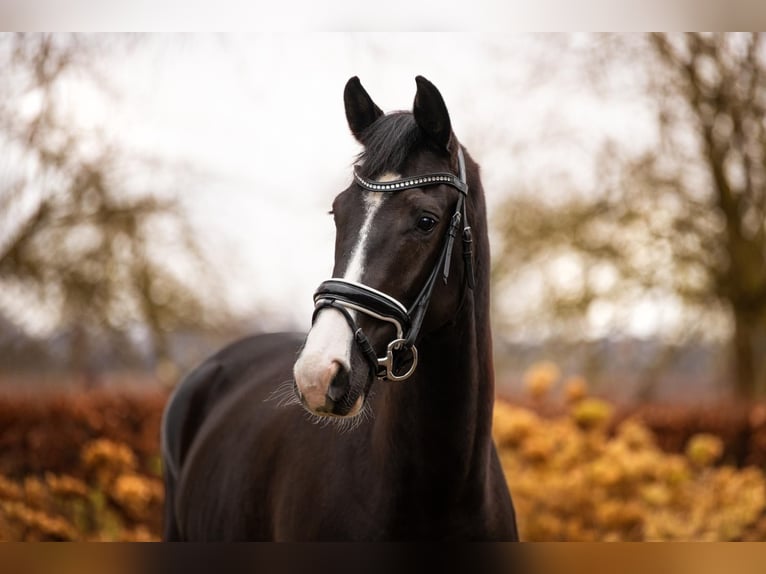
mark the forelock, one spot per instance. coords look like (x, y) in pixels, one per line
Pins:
(387, 144)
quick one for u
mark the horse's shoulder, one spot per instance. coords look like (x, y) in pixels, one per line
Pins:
(200, 390)
(183, 411)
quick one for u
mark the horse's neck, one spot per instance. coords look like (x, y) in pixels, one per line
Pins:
(439, 421)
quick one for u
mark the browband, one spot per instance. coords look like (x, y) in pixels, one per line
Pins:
(411, 182)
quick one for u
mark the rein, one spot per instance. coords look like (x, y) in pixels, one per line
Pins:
(347, 296)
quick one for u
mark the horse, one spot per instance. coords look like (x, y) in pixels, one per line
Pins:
(396, 369)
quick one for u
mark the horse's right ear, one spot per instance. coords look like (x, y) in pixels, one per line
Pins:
(361, 111)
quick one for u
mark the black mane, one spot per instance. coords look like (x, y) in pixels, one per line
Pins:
(387, 144)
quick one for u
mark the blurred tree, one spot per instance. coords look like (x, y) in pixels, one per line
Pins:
(685, 221)
(82, 239)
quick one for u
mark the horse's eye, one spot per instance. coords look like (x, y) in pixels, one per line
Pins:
(426, 223)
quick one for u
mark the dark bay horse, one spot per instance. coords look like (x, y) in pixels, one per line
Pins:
(397, 369)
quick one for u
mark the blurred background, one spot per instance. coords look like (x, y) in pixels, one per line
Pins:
(161, 195)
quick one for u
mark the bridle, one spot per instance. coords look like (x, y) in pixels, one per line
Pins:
(346, 296)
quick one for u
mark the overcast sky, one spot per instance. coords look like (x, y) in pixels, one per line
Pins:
(261, 116)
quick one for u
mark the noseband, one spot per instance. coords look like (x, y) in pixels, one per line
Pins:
(347, 296)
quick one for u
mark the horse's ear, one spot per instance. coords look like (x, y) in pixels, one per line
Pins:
(361, 111)
(431, 113)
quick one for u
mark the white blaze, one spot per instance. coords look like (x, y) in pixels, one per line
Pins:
(356, 265)
(329, 341)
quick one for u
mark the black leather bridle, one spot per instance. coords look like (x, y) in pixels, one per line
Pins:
(346, 296)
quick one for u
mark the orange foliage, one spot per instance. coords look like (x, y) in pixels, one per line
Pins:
(86, 467)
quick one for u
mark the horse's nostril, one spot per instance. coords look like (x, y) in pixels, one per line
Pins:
(340, 385)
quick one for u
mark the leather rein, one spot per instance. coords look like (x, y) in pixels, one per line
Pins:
(346, 296)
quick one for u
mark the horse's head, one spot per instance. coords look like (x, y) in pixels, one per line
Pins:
(395, 229)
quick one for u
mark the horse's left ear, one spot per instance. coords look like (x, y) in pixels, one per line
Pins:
(361, 111)
(431, 114)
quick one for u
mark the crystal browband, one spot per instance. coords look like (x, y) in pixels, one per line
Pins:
(410, 182)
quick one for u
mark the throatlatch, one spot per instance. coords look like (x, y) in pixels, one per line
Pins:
(346, 295)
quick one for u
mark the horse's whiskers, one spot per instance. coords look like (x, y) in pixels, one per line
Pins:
(284, 394)
(342, 424)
